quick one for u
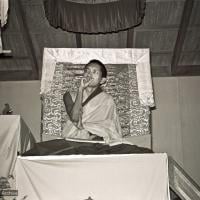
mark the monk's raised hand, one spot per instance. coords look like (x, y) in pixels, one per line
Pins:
(85, 82)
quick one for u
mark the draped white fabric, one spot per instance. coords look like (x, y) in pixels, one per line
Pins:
(139, 57)
(102, 177)
(3, 11)
(4, 6)
(14, 136)
(144, 81)
(9, 138)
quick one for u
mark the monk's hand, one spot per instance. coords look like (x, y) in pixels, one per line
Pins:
(85, 83)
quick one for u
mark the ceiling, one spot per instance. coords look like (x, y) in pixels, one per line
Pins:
(170, 28)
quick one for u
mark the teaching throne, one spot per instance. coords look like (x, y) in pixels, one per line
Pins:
(129, 83)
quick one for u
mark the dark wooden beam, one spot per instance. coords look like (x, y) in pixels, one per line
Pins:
(33, 2)
(171, 27)
(27, 38)
(149, 1)
(130, 38)
(185, 20)
(155, 27)
(164, 52)
(182, 70)
(15, 75)
(78, 40)
(160, 71)
(188, 70)
(157, 53)
(16, 57)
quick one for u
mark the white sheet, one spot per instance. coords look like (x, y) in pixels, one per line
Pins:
(105, 177)
(9, 138)
(14, 136)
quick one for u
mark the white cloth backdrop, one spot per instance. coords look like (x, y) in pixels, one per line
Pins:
(139, 57)
(102, 177)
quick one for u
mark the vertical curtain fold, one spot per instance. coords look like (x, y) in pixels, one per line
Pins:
(4, 6)
(94, 18)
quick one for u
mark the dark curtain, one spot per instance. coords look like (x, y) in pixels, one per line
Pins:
(105, 17)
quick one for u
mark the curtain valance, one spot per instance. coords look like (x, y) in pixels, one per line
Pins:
(103, 17)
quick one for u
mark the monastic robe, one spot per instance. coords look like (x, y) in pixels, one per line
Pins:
(99, 118)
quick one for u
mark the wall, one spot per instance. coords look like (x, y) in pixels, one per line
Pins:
(175, 121)
(24, 99)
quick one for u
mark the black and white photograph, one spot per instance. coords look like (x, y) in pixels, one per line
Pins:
(99, 99)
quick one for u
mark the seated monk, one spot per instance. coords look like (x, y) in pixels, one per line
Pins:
(92, 111)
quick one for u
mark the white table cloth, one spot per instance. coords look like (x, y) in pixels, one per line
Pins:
(102, 177)
(15, 137)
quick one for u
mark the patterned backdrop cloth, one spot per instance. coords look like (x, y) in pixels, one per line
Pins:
(121, 84)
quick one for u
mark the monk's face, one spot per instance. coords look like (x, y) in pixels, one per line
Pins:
(93, 74)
